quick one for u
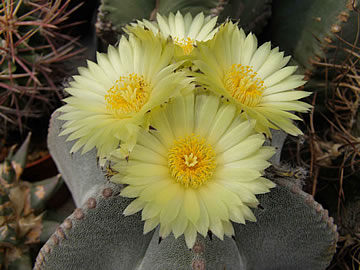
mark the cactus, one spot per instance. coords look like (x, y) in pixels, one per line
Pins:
(325, 45)
(32, 47)
(114, 15)
(305, 28)
(253, 15)
(22, 221)
(292, 232)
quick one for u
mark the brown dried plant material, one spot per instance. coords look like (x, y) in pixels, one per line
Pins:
(13, 254)
(330, 149)
(31, 228)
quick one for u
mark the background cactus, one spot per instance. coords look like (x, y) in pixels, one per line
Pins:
(292, 231)
(33, 48)
(326, 46)
(23, 222)
(114, 15)
(305, 28)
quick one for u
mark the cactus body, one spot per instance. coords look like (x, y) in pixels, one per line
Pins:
(289, 222)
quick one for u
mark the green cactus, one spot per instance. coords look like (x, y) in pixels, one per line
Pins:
(324, 43)
(184, 6)
(305, 29)
(32, 47)
(253, 15)
(22, 223)
(292, 230)
(114, 15)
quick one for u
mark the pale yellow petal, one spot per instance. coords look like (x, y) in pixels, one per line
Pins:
(191, 205)
(228, 228)
(150, 224)
(164, 231)
(235, 135)
(134, 207)
(279, 76)
(205, 111)
(179, 225)
(221, 123)
(243, 149)
(151, 210)
(147, 155)
(190, 235)
(196, 25)
(260, 56)
(147, 169)
(172, 208)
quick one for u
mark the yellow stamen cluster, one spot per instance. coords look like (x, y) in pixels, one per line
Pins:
(186, 44)
(128, 95)
(243, 85)
(191, 161)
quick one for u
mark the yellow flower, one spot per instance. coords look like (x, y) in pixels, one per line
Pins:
(110, 99)
(185, 31)
(197, 170)
(255, 79)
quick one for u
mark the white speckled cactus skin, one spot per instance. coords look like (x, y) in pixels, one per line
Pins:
(292, 230)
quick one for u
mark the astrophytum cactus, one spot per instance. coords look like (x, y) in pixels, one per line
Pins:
(292, 230)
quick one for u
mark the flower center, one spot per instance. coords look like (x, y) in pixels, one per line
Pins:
(127, 96)
(191, 161)
(186, 44)
(243, 85)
